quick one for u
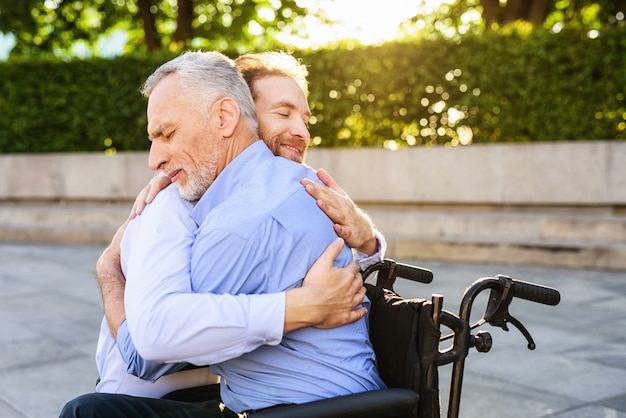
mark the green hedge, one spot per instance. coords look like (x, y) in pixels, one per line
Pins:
(493, 88)
(54, 106)
(505, 87)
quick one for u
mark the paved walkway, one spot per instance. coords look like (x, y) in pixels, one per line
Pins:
(50, 311)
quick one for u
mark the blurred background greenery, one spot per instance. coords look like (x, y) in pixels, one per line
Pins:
(445, 72)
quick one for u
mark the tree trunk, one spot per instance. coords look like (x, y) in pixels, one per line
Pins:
(184, 18)
(533, 11)
(539, 11)
(516, 10)
(491, 11)
(151, 36)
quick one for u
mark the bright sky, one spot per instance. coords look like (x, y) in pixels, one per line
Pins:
(368, 22)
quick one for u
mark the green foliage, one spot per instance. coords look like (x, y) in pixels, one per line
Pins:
(498, 87)
(53, 106)
(452, 19)
(55, 27)
(514, 86)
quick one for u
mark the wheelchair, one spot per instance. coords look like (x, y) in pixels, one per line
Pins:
(406, 337)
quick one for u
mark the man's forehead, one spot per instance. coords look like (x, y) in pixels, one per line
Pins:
(278, 91)
(267, 87)
(164, 98)
(166, 90)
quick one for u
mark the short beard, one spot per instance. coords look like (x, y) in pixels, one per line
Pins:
(200, 179)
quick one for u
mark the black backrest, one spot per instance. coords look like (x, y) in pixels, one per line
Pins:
(406, 343)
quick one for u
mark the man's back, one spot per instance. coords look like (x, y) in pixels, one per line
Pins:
(257, 223)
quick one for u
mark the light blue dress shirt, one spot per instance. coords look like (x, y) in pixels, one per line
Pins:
(157, 248)
(165, 227)
(259, 234)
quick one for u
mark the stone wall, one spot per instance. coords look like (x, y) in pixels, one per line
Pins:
(552, 203)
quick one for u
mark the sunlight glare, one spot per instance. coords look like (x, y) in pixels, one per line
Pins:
(357, 21)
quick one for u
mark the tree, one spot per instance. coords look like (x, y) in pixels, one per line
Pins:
(533, 11)
(56, 26)
(540, 12)
(456, 17)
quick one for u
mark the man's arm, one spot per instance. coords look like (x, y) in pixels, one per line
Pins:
(351, 223)
(328, 296)
(112, 282)
(172, 326)
(326, 300)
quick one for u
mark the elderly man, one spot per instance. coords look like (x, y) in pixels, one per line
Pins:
(258, 231)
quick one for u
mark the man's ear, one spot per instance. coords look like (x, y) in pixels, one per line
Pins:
(228, 111)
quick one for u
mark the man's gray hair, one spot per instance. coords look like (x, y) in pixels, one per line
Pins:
(205, 78)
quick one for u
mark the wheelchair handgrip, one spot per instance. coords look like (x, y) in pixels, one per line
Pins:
(416, 274)
(536, 293)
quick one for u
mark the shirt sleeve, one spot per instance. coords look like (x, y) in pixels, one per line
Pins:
(136, 365)
(363, 260)
(171, 321)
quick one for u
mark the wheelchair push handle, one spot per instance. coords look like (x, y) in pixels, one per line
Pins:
(413, 273)
(536, 293)
(388, 270)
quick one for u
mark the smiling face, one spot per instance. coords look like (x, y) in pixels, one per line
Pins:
(283, 114)
(182, 144)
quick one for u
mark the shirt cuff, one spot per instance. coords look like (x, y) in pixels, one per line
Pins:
(267, 319)
(363, 260)
(135, 364)
(124, 343)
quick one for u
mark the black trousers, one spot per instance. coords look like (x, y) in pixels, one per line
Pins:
(107, 405)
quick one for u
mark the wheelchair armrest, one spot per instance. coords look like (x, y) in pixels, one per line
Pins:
(389, 403)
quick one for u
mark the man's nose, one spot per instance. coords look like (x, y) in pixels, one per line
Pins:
(157, 159)
(300, 128)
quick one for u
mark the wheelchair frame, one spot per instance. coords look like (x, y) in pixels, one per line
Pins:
(407, 399)
(413, 385)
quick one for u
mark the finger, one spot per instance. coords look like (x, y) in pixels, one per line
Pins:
(157, 184)
(319, 191)
(321, 204)
(311, 187)
(358, 288)
(140, 206)
(151, 195)
(332, 210)
(332, 251)
(358, 313)
(328, 200)
(133, 212)
(347, 234)
(329, 181)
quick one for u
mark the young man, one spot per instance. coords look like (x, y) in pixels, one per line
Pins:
(257, 231)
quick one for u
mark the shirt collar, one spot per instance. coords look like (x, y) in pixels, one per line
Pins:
(236, 173)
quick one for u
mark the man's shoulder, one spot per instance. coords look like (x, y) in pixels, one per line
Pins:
(167, 206)
(272, 185)
(169, 199)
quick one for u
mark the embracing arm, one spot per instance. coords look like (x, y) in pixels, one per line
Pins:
(351, 222)
(112, 282)
(171, 326)
(328, 295)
